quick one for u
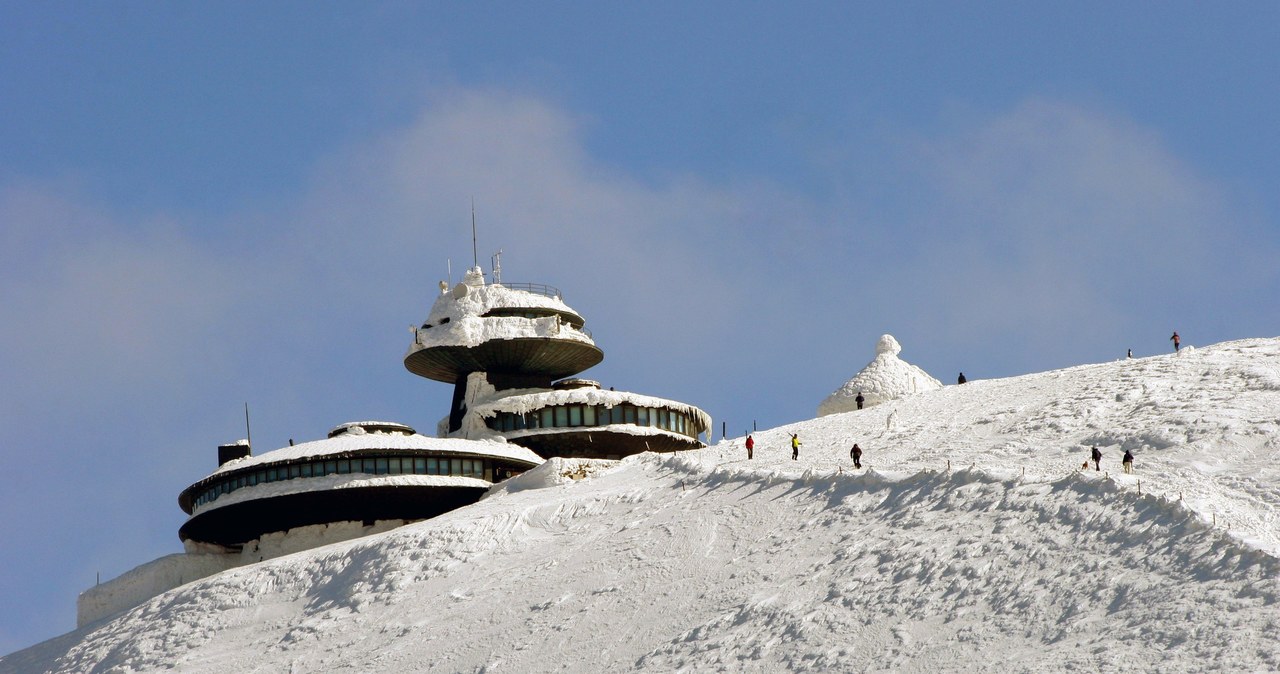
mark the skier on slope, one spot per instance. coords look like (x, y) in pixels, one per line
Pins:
(1177, 341)
(1096, 455)
(795, 447)
(855, 453)
(859, 400)
(1128, 461)
(751, 444)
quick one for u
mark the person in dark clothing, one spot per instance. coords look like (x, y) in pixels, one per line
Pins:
(1097, 459)
(1127, 462)
(855, 453)
(961, 379)
(1130, 354)
(859, 400)
(1177, 341)
(795, 447)
(751, 444)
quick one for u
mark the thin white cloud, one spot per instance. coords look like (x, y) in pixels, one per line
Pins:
(1053, 219)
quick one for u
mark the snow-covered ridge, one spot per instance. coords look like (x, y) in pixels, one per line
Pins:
(665, 564)
(1012, 560)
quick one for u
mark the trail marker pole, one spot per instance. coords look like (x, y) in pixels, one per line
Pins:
(1139, 487)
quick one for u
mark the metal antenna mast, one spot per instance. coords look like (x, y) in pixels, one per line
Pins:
(475, 257)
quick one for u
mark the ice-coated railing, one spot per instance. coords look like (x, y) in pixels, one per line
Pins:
(536, 288)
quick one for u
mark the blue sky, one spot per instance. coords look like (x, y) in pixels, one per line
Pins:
(206, 206)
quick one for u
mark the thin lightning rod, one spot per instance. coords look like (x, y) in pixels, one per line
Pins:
(475, 257)
(247, 435)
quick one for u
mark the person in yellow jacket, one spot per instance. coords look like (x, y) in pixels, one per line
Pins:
(795, 447)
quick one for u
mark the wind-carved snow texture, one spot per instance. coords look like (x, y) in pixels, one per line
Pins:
(887, 377)
(1013, 560)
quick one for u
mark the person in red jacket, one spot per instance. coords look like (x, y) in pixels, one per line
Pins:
(751, 444)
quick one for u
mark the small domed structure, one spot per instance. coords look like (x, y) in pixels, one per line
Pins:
(885, 378)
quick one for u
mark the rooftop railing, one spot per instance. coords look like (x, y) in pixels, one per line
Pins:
(536, 288)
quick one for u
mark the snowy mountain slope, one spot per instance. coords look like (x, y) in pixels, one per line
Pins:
(705, 562)
(1204, 424)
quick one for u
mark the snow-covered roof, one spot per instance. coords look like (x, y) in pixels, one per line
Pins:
(472, 331)
(360, 427)
(301, 485)
(458, 316)
(356, 442)
(529, 402)
(886, 377)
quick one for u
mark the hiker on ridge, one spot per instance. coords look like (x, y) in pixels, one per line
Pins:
(961, 379)
(859, 400)
(1097, 459)
(855, 453)
(795, 447)
(751, 444)
(1127, 462)
(1177, 341)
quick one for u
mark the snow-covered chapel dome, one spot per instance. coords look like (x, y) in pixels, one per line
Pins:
(885, 378)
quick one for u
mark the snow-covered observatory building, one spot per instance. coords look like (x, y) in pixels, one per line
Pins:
(886, 377)
(507, 350)
(368, 472)
(504, 346)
